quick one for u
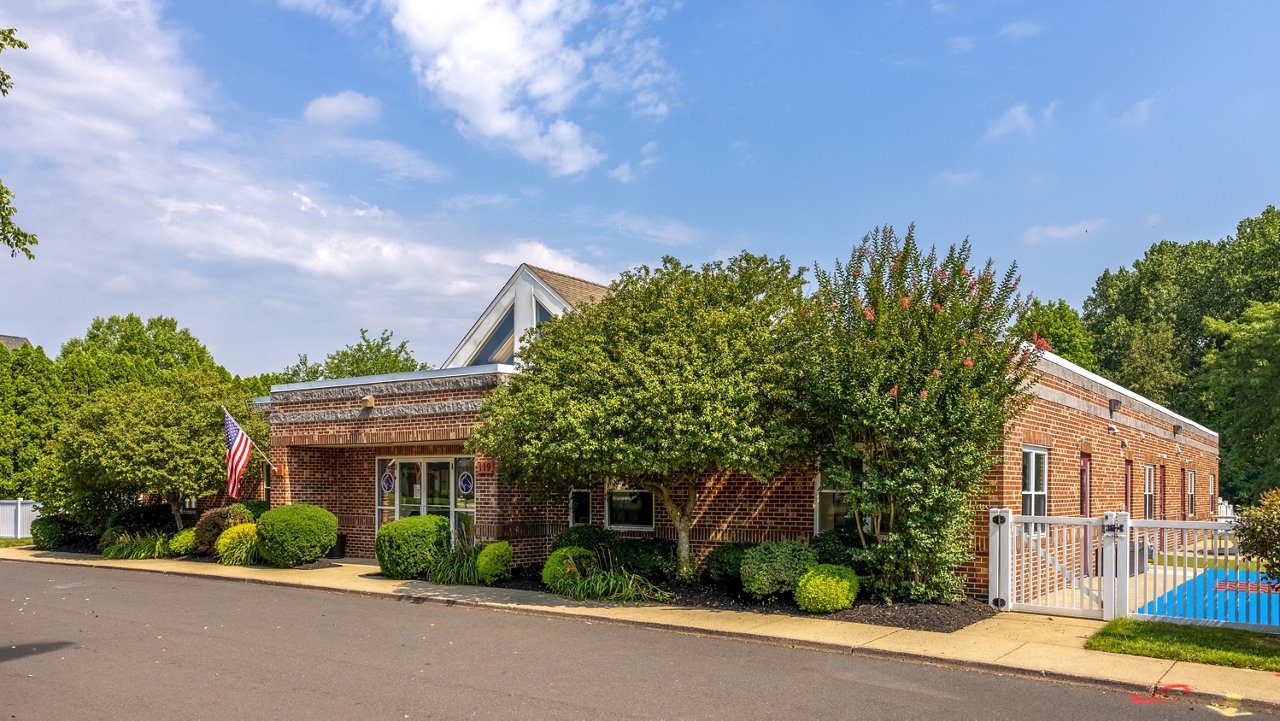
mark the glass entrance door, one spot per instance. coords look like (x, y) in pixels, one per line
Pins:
(439, 477)
(420, 486)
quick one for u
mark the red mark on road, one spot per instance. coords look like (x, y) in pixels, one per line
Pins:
(1145, 699)
(1173, 687)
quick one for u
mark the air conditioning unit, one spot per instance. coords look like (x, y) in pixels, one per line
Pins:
(1140, 554)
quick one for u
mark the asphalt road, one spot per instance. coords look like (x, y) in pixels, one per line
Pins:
(101, 643)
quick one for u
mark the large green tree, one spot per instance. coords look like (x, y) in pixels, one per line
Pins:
(120, 349)
(1242, 383)
(910, 379)
(1062, 328)
(32, 405)
(11, 236)
(677, 375)
(366, 357)
(164, 437)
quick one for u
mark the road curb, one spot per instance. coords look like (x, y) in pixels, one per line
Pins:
(1153, 690)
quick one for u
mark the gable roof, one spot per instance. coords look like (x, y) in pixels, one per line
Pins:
(574, 291)
(13, 342)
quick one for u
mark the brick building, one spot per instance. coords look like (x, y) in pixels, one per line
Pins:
(378, 448)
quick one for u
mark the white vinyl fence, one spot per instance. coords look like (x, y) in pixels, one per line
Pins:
(1178, 571)
(16, 517)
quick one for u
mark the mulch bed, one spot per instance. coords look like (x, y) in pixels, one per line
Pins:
(941, 617)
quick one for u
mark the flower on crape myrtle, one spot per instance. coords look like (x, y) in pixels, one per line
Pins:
(960, 341)
(937, 306)
(906, 302)
(936, 372)
(942, 276)
(894, 391)
(869, 314)
(968, 362)
(833, 306)
(924, 393)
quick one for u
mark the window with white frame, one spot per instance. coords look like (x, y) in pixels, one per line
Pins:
(579, 507)
(1191, 494)
(832, 511)
(1035, 484)
(190, 503)
(629, 509)
(1149, 492)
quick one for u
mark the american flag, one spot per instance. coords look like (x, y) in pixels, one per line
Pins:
(238, 449)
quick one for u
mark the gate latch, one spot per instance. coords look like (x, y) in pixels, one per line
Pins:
(1113, 528)
(998, 520)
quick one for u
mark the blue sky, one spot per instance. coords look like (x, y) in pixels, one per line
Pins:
(278, 174)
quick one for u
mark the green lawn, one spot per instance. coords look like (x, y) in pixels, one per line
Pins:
(7, 542)
(1202, 644)
(1179, 561)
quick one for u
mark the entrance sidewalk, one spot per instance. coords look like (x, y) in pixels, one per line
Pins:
(1015, 643)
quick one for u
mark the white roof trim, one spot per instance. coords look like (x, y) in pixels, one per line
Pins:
(435, 373)
(522, 284)
(1061, 362)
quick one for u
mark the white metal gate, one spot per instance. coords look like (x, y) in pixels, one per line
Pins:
(16, 517)
(1113, 566)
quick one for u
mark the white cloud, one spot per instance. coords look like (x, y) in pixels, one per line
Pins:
(938, 7)
(961, 44)
(343, 109)
(623, 173)
(511, 70)
(655, 228)
(471, 201)
(397, 161)
(335, 11)
(1138, 114)
(959, 179)
(1020, 30)
(1040, 233)
(649, 154)
(536, 253)
(1046, 115)
(1016, 119)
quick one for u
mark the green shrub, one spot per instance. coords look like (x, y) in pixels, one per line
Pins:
(55, 531)
(585, 536)
(457, 565)
(183, 542)
(292, 535)
(1258, 530)
(724, 564)
(827, 588)
(832, 547)
(772, 568)
(494, 562)
(257, 508)
(238, 545)
(407, 548)
(216, 520)
(613, 585)
(110, 536)
(652, 558)
(144, 518)
(566, 566)
(153, 544)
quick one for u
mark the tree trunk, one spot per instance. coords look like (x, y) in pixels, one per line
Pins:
(682, 519)
(175, 505)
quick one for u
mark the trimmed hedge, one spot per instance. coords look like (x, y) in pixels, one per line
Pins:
(144, 518)
(407, 548)
(827, 588)
(292, 535)
(494, 562)
(53, 531)
(567, 566)
(774, 567)
(724, 564)
(585, 536)
(216, 520)
(238, 545)
(183, 542)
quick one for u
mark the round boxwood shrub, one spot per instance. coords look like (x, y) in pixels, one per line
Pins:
(183, 542)
(773, 568)
(566, 566)
(144, 518)
(724, 564)
(494, 562)
(237, 546)
(292, 535)
(827, 588)
(257, 508)
(216, 520)
(407, 548)
(585, 536)
(54, 531)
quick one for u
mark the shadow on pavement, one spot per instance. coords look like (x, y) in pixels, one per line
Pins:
(12, 653)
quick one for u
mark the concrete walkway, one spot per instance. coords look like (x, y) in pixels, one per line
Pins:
(1015, 643)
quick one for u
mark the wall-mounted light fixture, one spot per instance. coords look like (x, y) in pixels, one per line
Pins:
(1176, 429)
(367, 401)
(1113, 405)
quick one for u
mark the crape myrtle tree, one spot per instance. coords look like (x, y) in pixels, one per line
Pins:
(677, 375)
(910, 379)
(165, 437)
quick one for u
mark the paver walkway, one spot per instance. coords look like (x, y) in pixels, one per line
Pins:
(1024, 644)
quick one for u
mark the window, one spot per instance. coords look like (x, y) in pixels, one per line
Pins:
(629, 509)
(579, 508)
(1128, 486)
(1086, 479)
(500, 346)
(1191, 494)
(1035, 485)
(833, 510)
(1149, 492)
(189, 503)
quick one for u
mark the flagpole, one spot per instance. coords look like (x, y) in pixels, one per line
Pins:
(256, 447)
